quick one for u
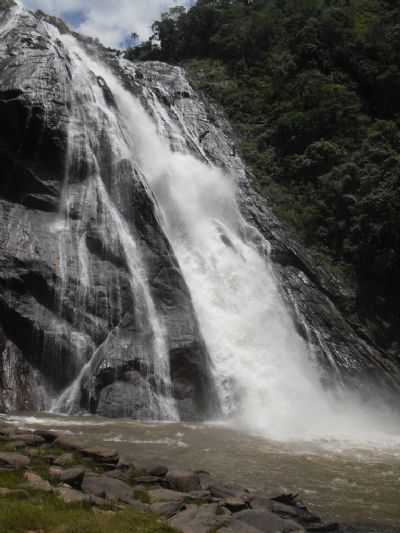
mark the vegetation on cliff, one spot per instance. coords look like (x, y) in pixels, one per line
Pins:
(311, 87)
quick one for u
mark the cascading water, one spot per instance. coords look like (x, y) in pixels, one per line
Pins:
(261, 366)
(91, 116)
(264, 371)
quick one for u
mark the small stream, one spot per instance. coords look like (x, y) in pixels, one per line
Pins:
(354, 483)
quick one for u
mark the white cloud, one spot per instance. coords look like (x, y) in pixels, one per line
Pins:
(109, 20)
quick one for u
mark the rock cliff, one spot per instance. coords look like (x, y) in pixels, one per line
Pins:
(65, 285)
(74, 210)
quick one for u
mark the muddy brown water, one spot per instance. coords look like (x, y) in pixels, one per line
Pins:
(356, 484)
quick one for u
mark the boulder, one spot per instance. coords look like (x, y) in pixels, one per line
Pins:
(35, 482)
(183, 480)
(184, 520)
(55, 473)
(267, 522)
(68, 495)
(236, 526)
(101, 455)
(14, 460)
(157, 470)
(198, 519)
(260, 501)
(148, 480)
(73, 476)
(166, 495)
(299, 513)
(67, 443)
(48, 436)
(323, 528)
(228, 491)
(126, 463)
(235, 504)
(66, 459)
(205, 479)
(166, 509)
(122, 475)
(202, 495)
(31, 440)
(107, 488)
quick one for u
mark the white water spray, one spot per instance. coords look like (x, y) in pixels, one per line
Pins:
(90, 117)
(265, 373)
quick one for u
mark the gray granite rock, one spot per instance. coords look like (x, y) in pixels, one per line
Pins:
(100, 454)
(183, 480)
(107, 488)
(198, 519)
(66, 459)
(267, 522)
(35, 482)
(65, 285)
(166, 509)
(166, 495)
(14, 460)
(73, 476)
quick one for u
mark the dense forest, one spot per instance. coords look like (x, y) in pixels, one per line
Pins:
(312, 89)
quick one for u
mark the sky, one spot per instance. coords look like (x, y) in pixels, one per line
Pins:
(112, 21)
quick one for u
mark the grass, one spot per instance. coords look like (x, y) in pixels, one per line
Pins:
(142, 496)
(47, 514)
(10, 480)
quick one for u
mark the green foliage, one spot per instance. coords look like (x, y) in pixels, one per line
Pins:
(311, 87)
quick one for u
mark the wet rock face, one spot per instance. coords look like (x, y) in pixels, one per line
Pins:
(66, 294)
(316, 299)
(72, 301)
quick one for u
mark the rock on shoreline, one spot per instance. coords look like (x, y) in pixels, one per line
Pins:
(189, 501)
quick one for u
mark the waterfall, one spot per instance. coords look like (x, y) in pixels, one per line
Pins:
(92, 122)
(262, 369)
(265, 373)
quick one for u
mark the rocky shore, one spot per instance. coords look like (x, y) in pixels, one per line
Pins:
(59, 472)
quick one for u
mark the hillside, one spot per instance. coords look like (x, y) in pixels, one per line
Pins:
(311, 88)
